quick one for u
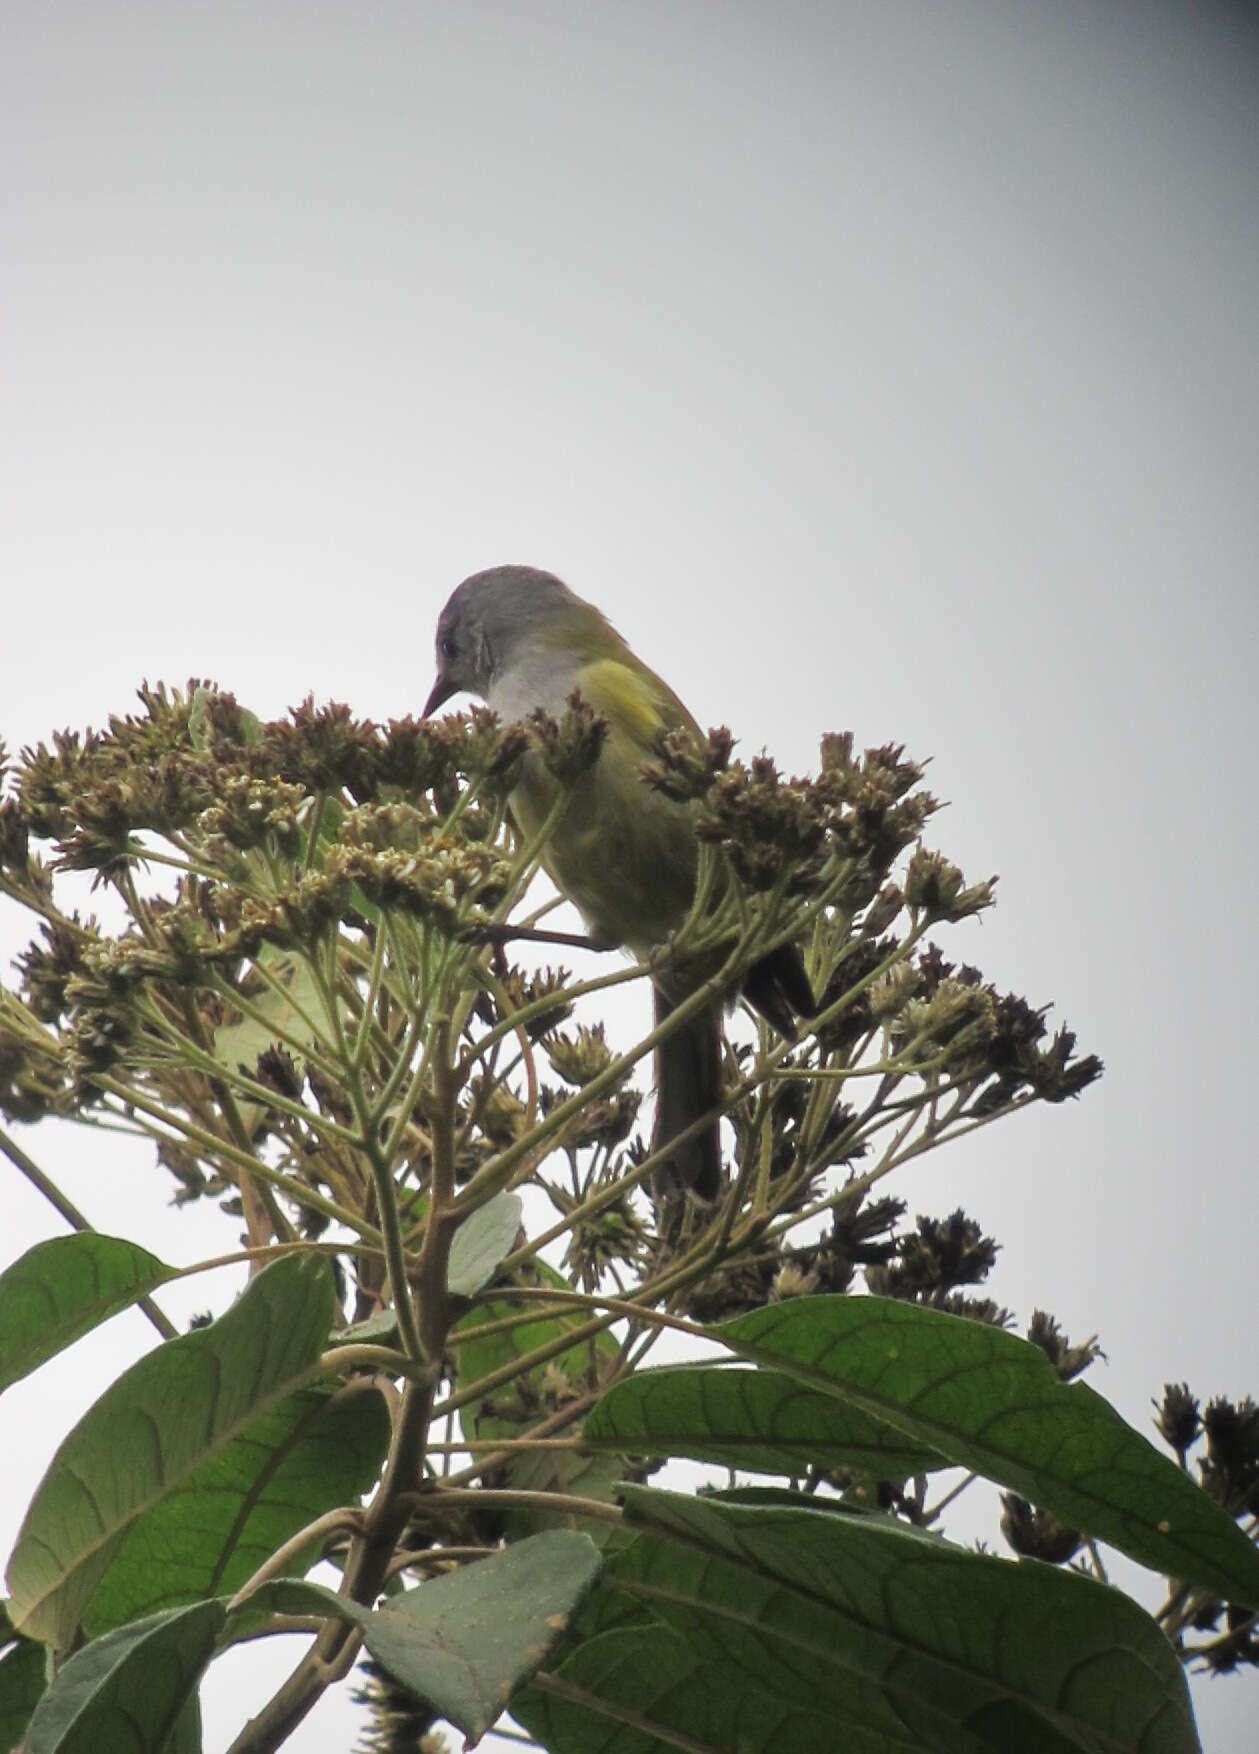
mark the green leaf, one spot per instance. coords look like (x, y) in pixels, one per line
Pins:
(61, 1289)
(125, 1693)
(481, 1242)
(208, 1536)
(642, 1691)
(993, 1402)
(760, 1420)
(466, 1641)
(153, 1429)
(378, 1330)
(22, 1675)
(902, 1640)
(293, 1595)
(186, 1737)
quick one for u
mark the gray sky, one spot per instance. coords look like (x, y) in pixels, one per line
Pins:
(888, 367)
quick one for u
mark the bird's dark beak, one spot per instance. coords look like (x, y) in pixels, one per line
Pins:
(443, 688)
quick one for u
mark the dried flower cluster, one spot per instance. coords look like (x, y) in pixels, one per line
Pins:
(332, 887)
(1229, 1470)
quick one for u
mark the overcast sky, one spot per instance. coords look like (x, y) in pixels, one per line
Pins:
(888, 367)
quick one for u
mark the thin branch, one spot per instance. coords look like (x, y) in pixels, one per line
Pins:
(76, 1220)
(332, 1521)
(493, 1498)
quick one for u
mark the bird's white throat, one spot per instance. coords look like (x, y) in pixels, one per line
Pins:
(539, 678)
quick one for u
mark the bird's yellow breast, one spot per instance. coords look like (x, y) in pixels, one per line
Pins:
(623, 852)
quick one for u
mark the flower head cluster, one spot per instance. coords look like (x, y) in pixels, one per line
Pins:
(284, 837)
(568, 746)
(303, 897)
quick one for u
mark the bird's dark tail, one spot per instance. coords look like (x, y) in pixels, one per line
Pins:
(778, 987)
(688, 1084)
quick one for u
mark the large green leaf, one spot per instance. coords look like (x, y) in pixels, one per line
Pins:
(905, 1642)
(60, 1289)
(465, 1642)
(153, 1429)
(644, 1691)
(125, 1693)
(994, 1403)
(22, 1674)
(209, 1535)
(760, 1420)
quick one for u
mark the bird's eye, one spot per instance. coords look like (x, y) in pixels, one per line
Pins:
(446, 645)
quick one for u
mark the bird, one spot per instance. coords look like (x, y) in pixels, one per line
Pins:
(622, 851)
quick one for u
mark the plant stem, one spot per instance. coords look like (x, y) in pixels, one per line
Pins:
(430, 1278)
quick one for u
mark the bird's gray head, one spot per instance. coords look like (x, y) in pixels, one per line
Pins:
(491, 620)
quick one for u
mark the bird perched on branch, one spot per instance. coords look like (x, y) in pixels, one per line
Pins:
(622, 851)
